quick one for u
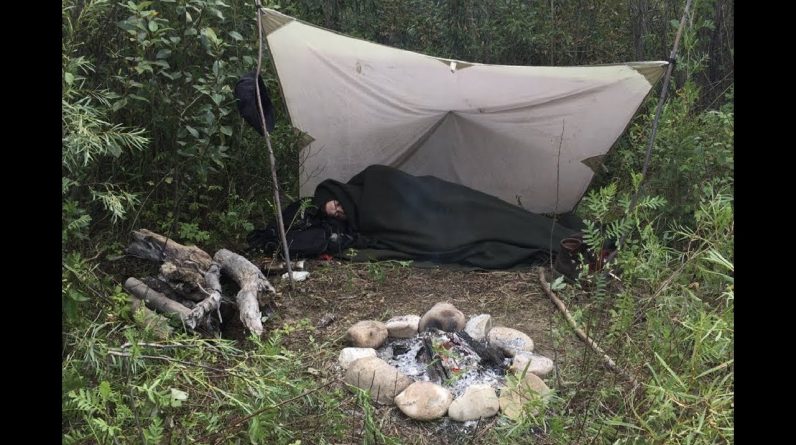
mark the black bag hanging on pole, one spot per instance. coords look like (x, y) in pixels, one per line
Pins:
(246, 93)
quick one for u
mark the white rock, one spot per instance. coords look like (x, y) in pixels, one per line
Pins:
(529, 394)
(537, 364)
(348, 355)
(424, 401)
(404, 326)
(478, 326)
(366, 334)
(510, 341)
(378, 377)
(478, 401)
(443, 316)
(297, 275)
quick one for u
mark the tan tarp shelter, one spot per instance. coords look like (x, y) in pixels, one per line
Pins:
(495, 128)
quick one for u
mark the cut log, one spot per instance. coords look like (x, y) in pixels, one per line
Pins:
(253, 285)
(158, 301)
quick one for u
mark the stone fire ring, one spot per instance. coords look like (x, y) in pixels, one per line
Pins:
(454, 381)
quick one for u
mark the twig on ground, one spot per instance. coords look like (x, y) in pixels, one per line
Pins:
(582, 335)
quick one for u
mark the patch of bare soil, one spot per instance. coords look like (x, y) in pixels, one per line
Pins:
(349, 292)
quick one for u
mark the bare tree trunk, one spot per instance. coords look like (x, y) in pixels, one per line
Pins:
(638, 19)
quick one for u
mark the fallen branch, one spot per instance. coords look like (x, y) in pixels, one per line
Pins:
(252, 284)
(142, 344)
(213, 301)
(166, 359)
(592, 344)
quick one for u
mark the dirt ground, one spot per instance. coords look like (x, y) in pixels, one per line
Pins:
(349, 292)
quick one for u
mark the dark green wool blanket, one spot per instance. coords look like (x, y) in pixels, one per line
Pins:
(401, 216)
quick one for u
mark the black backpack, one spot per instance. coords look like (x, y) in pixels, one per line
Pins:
(308, 233)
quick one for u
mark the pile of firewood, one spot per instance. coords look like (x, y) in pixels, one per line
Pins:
(188, 283)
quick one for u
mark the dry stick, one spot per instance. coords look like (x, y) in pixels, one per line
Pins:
(561, 307)
(262, 410)
(602, 425)
(658, 112)
(155, 187)
(484, 430)
(552, 230)
(279, 223)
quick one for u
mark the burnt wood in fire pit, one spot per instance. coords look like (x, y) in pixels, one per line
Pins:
(490, 356)
(437, 373)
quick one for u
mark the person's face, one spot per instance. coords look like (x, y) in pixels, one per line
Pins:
(335, 210)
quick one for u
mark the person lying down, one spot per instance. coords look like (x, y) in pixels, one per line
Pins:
(384, 213)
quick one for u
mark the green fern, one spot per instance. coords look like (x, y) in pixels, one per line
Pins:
(75, 436)
(153, 434)
(600, 287)
(85, 401)
(592, 234)
(622, 314)
(110, 431)
(619, 228)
